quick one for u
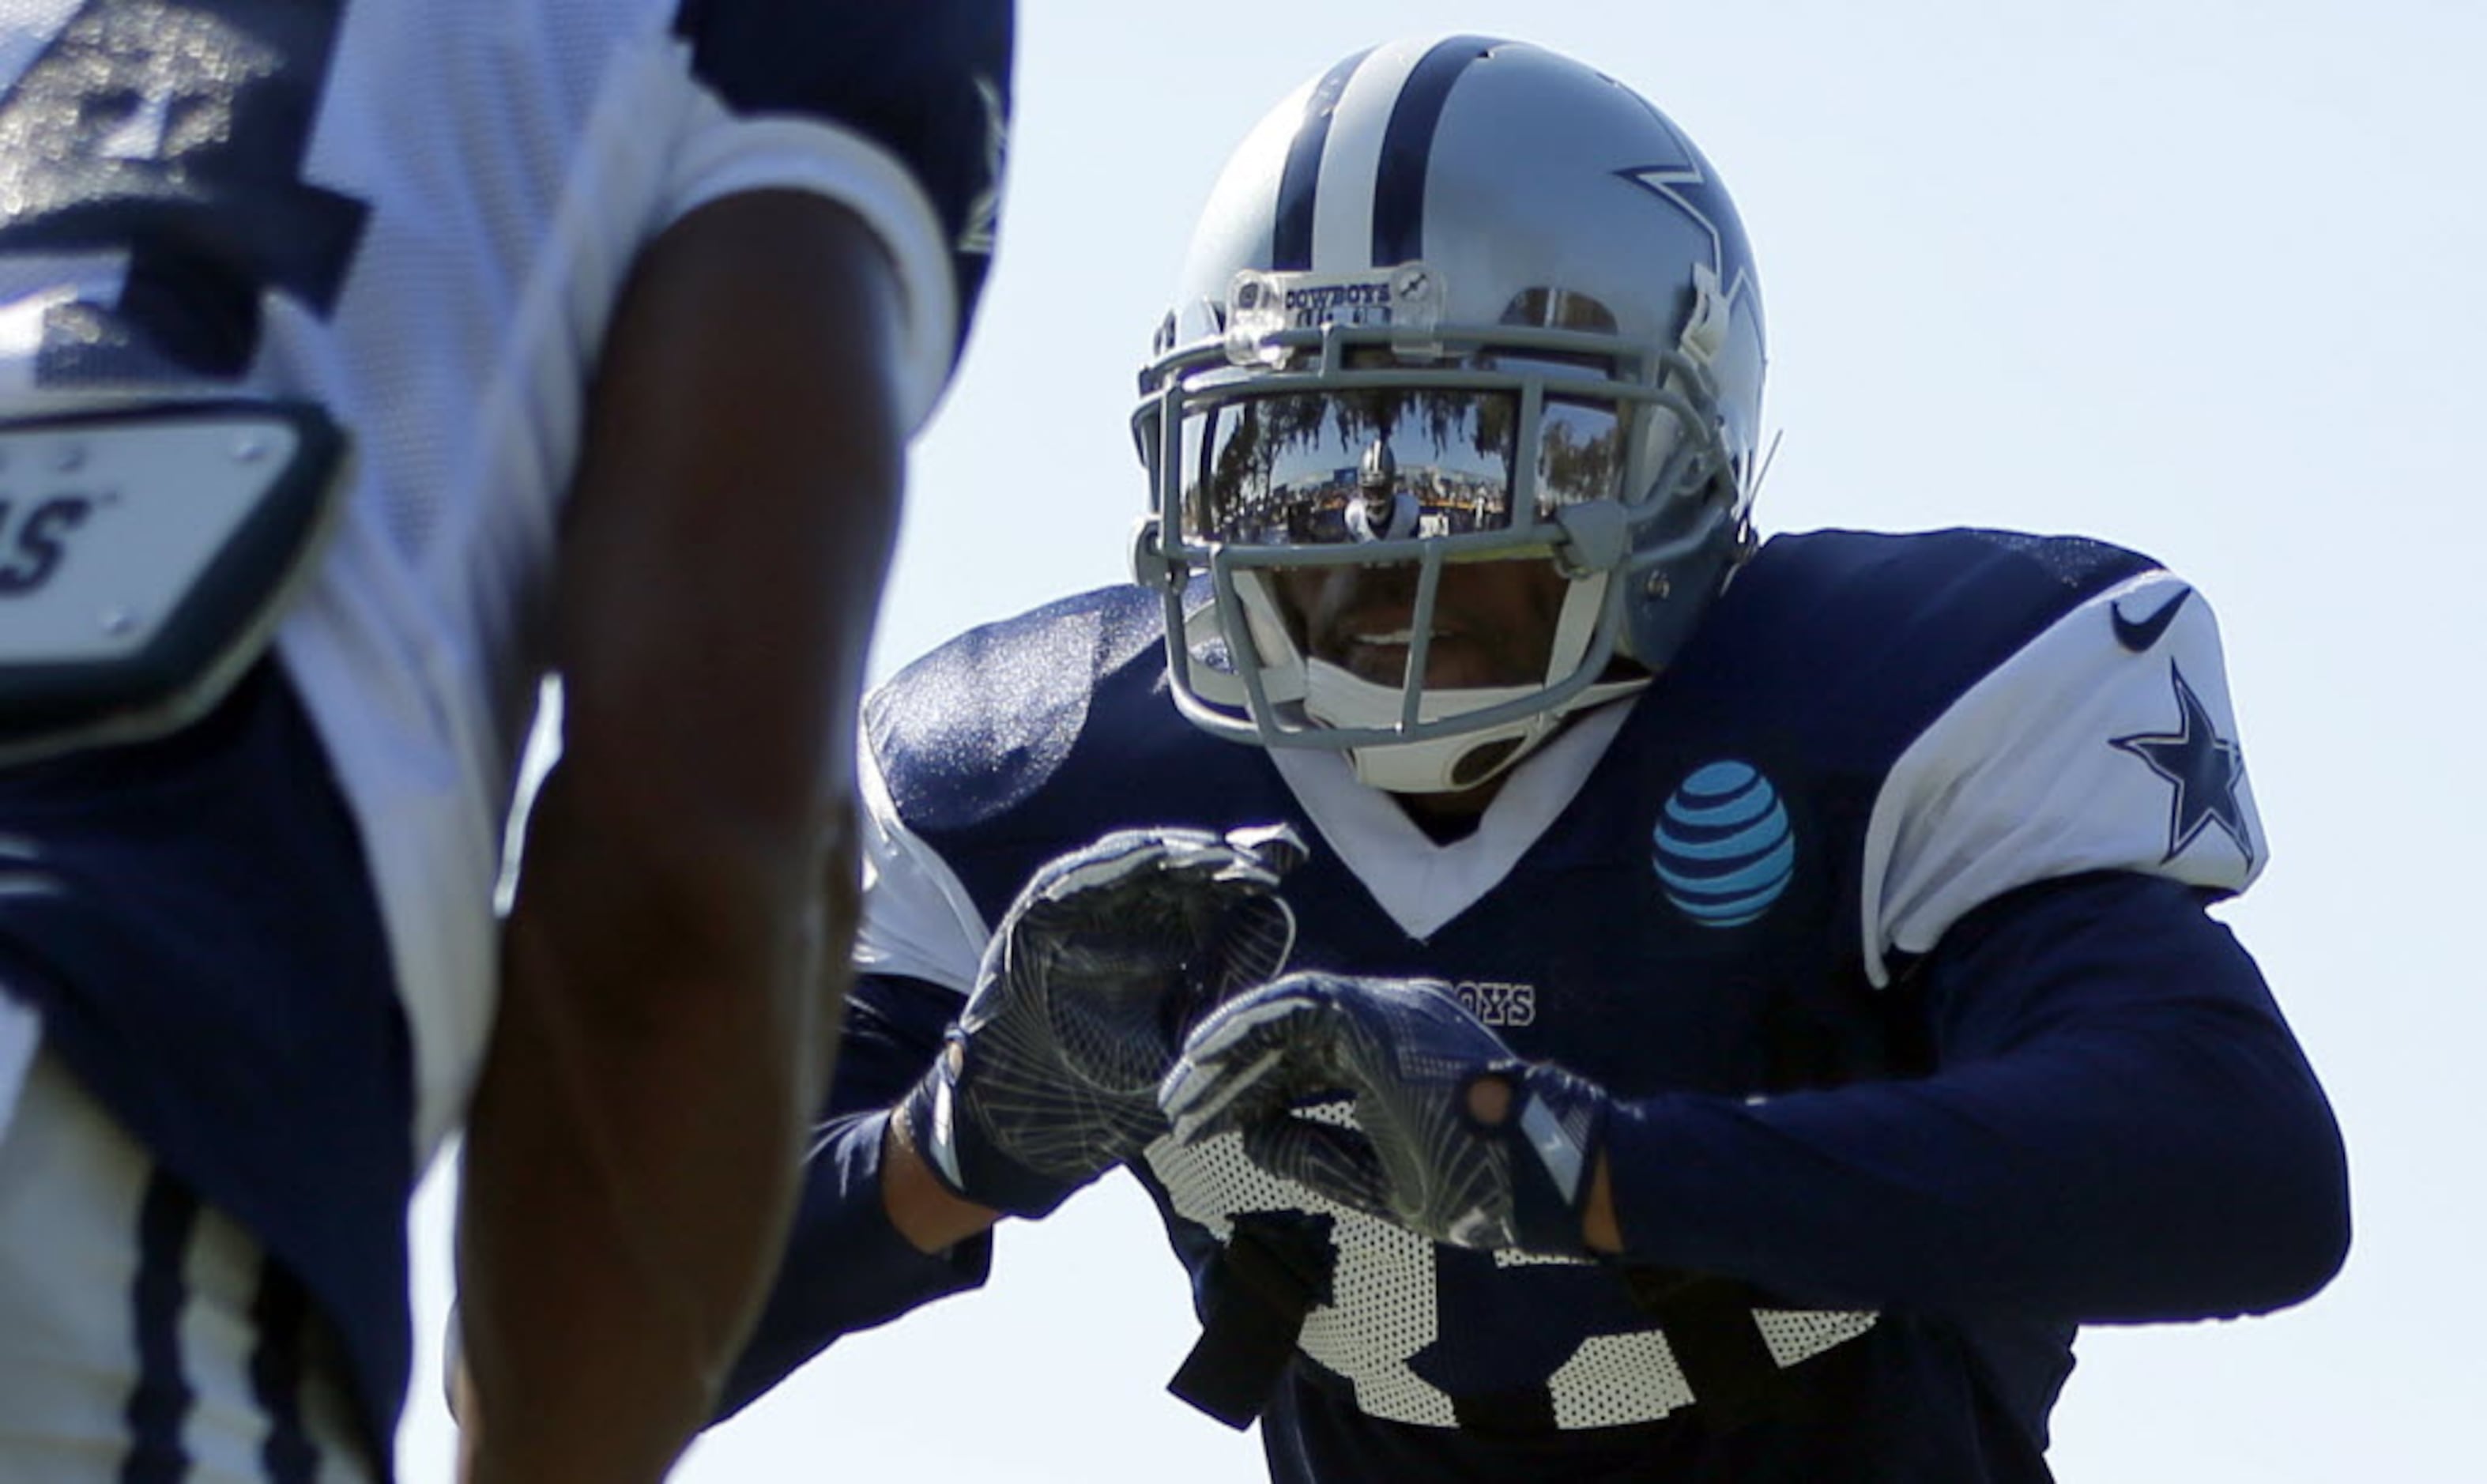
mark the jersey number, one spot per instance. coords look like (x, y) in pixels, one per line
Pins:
(169, 134)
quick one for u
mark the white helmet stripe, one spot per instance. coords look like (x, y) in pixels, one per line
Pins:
(1342, 235)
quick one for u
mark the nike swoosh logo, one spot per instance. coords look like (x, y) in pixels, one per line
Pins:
(2138, 635)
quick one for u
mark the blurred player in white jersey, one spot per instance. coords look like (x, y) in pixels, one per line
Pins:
(363, 363)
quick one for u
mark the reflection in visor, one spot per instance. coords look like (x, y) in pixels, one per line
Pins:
(1309, 467)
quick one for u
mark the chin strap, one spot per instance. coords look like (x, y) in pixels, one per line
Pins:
(1433, 766)
(1329, 696)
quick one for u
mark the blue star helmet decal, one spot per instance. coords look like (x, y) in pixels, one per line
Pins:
(2205, 768)
(1724, 850)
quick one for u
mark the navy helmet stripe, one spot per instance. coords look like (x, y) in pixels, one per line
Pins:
(159, 1404)
(1408, 148)
(1291, 251)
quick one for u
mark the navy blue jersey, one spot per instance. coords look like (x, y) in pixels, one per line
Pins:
(195, 925)
(1880, 912)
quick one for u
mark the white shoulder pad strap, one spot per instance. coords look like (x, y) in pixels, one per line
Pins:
(918, 919)
(2106, 743)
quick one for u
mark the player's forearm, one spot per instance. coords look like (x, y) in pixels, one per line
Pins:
(633, 1152)
(918, 1205)
(637, 1138)
(1600, 1227)
(848, 1266)
(1943, 1198)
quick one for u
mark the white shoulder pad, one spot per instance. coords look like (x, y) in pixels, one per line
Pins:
(724, 154)
(2108, 742)
(918, 920)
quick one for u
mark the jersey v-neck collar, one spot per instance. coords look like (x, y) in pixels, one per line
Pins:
(1423, 884)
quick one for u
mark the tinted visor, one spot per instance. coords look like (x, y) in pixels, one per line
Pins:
(1297, 468)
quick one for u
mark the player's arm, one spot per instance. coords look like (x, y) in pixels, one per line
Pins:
(674, 957)
(1102, 950)
(1047, 1079)
(2120, 1126)
(861, 1252)
(2118, 1122)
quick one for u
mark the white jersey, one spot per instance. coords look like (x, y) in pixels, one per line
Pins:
(427, 240)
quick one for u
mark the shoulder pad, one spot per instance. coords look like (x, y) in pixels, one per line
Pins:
(979, 723)
(2106, 743)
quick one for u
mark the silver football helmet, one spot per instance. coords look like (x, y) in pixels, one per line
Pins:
(1514, 285)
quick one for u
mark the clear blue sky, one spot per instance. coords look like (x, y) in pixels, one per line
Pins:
(2202, 278)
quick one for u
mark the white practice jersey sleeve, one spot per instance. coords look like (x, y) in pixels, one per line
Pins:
(919, 921)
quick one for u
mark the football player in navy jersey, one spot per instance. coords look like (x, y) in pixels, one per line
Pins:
(1594, 993)
(363, 363)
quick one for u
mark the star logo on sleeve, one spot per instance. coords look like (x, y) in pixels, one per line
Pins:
(2205, 767)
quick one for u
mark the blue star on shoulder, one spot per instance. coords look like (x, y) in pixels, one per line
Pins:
(2205, 767)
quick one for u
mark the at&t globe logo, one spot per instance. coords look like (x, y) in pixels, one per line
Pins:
(1723, 850)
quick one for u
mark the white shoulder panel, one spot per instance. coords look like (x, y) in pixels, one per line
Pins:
(2108, 742)
(918, 919)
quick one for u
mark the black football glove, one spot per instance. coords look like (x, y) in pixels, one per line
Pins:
(1406, 1055)
(1110, 954)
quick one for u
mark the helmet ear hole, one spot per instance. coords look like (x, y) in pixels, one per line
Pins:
(1479, 763)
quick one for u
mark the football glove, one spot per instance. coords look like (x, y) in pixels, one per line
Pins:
(1111, 953)
(1406, 1055)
